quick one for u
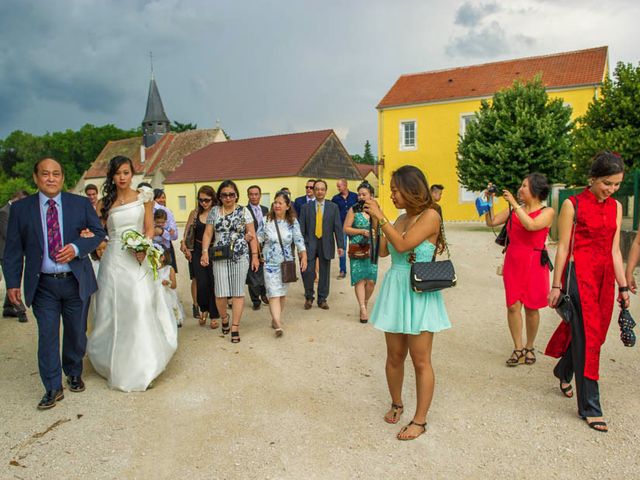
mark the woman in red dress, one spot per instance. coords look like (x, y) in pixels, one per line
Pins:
(526, 267)
(597, 266)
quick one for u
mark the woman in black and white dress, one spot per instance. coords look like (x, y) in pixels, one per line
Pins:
(228, 225)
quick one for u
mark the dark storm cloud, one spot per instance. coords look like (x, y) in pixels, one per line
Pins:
(470, 15)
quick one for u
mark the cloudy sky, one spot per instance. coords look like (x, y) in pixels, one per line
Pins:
(268, 67)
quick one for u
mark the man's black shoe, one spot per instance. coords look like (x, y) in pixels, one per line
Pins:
(22, 316)
(9, 313)
(75, 384)
(50, 398)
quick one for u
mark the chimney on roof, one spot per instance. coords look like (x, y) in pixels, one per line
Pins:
(155, 123)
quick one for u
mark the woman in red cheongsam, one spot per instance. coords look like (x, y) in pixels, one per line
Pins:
(526, 265)
(597, 267)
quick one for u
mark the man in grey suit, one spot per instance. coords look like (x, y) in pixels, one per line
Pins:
(9, 309)
(322, 229)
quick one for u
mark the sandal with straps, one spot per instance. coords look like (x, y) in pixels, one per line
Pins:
(516, 358)
(566, 391)
(226, 328)
(235, 336)
(404, 429)
(529, 360)
(396, 413)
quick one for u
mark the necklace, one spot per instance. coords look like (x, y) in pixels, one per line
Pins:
(224, 210)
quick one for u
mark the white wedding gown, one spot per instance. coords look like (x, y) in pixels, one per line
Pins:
(134, 334)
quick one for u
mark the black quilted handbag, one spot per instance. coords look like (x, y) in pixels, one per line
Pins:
(626, 323)
(433, 276)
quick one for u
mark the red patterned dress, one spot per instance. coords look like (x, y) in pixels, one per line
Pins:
(525, 279)
(596, 228)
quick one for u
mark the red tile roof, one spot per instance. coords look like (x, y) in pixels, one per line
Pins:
(262, 157)
(582, 67)
(365, 168)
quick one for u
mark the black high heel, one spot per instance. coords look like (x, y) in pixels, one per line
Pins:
(226, 328)
(235, 336)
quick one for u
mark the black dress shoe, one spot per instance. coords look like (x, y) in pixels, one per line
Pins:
(9, 313)
(50, 398)
(22, 317)
(75, 383)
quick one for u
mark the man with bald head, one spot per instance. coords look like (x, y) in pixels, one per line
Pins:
(49, 238)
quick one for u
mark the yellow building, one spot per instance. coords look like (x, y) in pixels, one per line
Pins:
(421, 117)
(272, 162)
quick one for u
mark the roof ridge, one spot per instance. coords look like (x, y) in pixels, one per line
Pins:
(328, 130)
(534, 57)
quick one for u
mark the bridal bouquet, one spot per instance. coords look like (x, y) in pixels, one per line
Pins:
(136, 242)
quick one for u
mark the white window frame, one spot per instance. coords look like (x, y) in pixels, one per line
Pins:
(182, 202)
(464, 195)
(403, 146)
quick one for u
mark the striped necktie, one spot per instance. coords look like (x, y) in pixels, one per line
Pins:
(54, 242)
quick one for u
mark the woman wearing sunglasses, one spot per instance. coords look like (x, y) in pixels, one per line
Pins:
(227, 226)
(203, 276)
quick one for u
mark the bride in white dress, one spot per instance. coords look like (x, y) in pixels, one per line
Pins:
(134, 335)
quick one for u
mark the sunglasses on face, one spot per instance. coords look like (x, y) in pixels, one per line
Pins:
(309, 187)
(204, 200)
(228, 195)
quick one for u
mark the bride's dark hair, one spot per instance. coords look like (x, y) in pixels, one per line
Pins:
(109, 189)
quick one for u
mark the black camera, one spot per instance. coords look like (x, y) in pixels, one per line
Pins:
(492, 189)
(359, 206)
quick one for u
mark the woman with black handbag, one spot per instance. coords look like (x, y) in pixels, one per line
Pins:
(592, 219)
(408, 318)
(526, 262)
(278, 236)
(364, 273)
(227, 226)
(191, 247)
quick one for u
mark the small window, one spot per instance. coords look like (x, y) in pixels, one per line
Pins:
(182, 202)
(465, 120)
(408, 135)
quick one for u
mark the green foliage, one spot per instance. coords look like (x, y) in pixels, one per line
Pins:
(612, 122)
(9, 186)
(519, 132)
(75, 150)
(367, 157)
(178, 127)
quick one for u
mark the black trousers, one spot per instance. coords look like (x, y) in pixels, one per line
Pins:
(309, 275)
(572, 363)
(255, 282)
(204, 281)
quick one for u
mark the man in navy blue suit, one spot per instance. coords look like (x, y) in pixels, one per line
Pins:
(304, 199)
(52, 233)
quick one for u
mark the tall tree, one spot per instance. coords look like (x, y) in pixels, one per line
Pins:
(612, 122)
(368, 156)
(518, 132)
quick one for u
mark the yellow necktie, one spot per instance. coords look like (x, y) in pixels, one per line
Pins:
(319, 221)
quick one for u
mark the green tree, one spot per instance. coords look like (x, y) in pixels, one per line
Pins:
(612, 122)
(182, 127)
(9, 186)
(356, 158)
(368, 157)
(519, 132)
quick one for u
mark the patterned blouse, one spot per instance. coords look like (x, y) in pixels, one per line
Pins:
(231, 229)
(290, 234)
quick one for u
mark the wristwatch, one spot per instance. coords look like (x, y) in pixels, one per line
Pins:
(382, 221)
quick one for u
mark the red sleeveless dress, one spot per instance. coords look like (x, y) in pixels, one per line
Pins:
(595, 230)
(525, 279)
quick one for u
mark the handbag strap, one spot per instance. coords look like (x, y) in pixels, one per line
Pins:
(284, 256)
(567, 282)
(412, 254)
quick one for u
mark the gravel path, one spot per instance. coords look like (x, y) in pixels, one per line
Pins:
(310, 404)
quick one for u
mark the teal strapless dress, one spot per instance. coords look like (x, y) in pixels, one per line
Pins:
(398, 308)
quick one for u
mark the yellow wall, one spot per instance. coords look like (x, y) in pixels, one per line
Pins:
(268, 185)
(437, 129)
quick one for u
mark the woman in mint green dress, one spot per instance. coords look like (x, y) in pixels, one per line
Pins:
(409, 319)
(363, 272)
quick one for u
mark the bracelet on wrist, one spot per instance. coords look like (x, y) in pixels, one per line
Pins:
(623, 289)
(557, 286)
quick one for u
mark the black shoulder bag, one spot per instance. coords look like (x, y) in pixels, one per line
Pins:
(433, 276)
(502, 238)
(565, 306)
(287, 267)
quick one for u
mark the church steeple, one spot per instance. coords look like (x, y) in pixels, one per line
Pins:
(155, 123)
